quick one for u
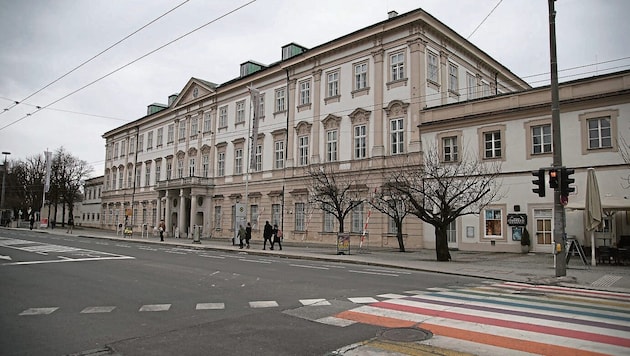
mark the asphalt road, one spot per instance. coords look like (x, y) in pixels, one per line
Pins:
(66, 294)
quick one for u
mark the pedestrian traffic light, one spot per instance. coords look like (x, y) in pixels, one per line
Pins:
(553, 179)
(539, 182)
(566, 180)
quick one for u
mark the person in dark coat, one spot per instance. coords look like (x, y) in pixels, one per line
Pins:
(248, 234)
(241, 235)
(161, 228)
(277, 237)
(32, 220)
(267, 234)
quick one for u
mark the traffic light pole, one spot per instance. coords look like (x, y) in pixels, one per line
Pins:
(559, 237)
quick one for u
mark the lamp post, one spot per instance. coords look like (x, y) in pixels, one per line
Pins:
(4, 178)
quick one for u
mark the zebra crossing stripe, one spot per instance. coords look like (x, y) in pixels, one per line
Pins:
(572, 291)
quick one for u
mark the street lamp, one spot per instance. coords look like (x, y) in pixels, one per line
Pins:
(4, 178)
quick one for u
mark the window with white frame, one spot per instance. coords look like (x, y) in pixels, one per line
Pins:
(391, 225)
(180, 167)
(453, 83)
(451, 232)
(485, 87)
(280, 100)
(303, 150)
(140, 143)
(170, 133)
(258, 158)
(129, 177)
(599, 132)
(238, 161)
(492, 144)
(120, 179)
(138, 170)
(147, 174)
(116, 150)
(160, 137)
(471, 85)
(329, 222)
(360, 141)
(305, 92)
(279, 154)
(223, 119)
(360, 76)
(253, 217)
(493, 222)
(217, 217)
(194, 126)
(331, 145)
(191, 167)
(276, 214)
(240, 112)
(169, 169)
(132, 146)
(182, 129)
(332, 84)
(397, 132)
(299, 216)
(221, 164)
(397, 65)
(543, 227)
(158, 171)
(205, 165)
(432, 67)
(357, 218)
(450, 150)
(149, 140)
(541, 139)
(207, 122)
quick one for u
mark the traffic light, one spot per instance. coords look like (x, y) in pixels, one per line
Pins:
(553, 179)
(566, 180)
(539, 182)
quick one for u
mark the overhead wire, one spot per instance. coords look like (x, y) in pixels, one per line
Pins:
(18, 102)
(484, 20)
(130, 63)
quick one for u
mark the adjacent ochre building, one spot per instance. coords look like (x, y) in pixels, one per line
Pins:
(357, 104)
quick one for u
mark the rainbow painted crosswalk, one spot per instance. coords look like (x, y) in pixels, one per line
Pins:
(510, 319)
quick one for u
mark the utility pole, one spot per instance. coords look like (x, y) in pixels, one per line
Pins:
(559, 237)
(4, 179)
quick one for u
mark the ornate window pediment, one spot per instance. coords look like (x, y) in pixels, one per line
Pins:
(359, 116)
(192, 151)
(331, 121)
(303, 128)
(205, 149)
(180, 154)
(396, 108)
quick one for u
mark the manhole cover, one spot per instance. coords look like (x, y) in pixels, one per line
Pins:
(405, 334)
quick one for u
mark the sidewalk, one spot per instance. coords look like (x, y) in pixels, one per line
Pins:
(534, 268)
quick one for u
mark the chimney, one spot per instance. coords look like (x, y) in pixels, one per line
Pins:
(392, 14)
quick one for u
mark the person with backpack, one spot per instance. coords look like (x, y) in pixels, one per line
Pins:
(277, 237)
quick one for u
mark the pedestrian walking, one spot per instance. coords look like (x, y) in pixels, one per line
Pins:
(248, 234)
(267, 234)
(161, 228)
(277, 237)
(32, 220)
(241, 235)
(70, 225)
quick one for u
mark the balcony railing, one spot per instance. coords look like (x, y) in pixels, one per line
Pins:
(184, 182)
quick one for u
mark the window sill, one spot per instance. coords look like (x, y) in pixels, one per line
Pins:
(304, 107)
(332, 99)
(433, 85)
(361, 92)
(397, 83)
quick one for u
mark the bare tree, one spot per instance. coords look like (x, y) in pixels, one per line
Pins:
(69, 172)
(27, 183)
(440, 192)
(336, 193)
(624, 150)
(395, 204)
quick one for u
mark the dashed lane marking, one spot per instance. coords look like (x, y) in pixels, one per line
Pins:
(308, 266)
(210, 306)
(155, 307)
(95, 310)
(263, 304)
(314, 302)
(362, 300)
(39, 311)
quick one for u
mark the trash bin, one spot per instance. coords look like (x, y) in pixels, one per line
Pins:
(196, 234)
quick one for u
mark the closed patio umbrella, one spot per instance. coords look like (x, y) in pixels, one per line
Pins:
(593, 208)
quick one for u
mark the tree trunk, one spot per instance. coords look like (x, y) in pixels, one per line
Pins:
(399, 236)
(441, 244)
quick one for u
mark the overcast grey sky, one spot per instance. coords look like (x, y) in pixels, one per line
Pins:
(43, 39)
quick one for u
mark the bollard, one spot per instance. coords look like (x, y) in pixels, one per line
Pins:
(196, 233)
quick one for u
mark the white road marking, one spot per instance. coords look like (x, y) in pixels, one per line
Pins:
(386, 270)
(307, 266)
(254, 261)
(391, 296)
(210, 306)
(155, 307)
(70, 260)
(314, 302)
(38, 311)
(94, 310)
(5, 258)
(376, 273)
(363, 300)
(210, 256)
(263, 304)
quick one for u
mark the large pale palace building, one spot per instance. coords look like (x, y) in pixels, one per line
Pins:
(357, 104)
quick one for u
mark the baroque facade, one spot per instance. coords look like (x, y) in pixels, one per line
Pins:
(356, 104)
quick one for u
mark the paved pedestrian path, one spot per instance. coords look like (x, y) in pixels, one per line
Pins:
(533, 268)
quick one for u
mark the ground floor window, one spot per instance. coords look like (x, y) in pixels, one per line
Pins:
(329, 222)
(276, 212)
(543, 226)
(493, 223)
(217, 218)
(299, 216)
(451, 233)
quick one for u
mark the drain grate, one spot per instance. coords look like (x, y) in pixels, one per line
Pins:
(405, 334)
